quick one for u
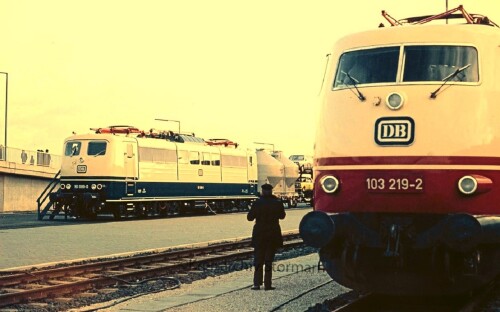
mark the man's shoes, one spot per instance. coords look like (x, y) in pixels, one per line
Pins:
(255, 288)
(269, 288)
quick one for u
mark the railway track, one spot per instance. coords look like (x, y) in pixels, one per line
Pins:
(378, 303)
(34, 285)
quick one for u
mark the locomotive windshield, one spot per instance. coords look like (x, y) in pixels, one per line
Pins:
(72, 148)
(437, 63)
(378, 65)
(420, 64)
(96, 148)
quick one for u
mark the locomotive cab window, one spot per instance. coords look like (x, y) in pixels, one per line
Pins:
(420, 63)
(440, 63)
(97, 148)
(379, 65)
(73, 148)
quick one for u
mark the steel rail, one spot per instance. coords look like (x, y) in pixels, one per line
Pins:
(124, 270)
(373, 302)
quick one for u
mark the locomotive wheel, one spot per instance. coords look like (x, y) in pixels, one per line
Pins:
(118, 211)
(228, 206)
(91, 215)
(162, 209)
(172, 209)
(141, 211)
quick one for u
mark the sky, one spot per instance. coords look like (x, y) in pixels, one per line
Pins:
(249, 71)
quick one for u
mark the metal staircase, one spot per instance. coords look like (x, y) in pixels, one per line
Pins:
(44, 199)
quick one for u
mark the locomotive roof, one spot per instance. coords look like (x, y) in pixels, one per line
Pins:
(422, 34)
(157, 143)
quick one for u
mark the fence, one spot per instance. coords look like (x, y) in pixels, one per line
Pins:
(30, 158)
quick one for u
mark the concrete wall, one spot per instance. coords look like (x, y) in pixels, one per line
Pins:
(20, 185)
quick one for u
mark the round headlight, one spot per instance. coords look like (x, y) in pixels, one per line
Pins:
(68, 186)
(394, 101)
(99, 186)
(93, 186)
(63, 186)
(467, 185)
(329, 184)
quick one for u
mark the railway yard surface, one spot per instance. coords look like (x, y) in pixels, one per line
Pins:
(37, 242)
(300, 284)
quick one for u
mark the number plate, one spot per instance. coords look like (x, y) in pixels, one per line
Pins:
(81, 169)
(395, 184)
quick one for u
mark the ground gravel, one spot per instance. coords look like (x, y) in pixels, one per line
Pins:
(291, 293)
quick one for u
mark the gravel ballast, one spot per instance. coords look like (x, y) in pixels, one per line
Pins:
(235, 294)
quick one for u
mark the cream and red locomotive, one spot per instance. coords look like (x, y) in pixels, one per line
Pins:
(407, 158)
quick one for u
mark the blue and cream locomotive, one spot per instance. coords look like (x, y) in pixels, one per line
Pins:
(123, 171)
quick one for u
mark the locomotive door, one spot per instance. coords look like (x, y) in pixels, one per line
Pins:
(130, 166)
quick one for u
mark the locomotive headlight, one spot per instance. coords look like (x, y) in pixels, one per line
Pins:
(330, 184)
(63, 186)
(394, 101)
(99, 186)
(467, 185)
(93, 187)
(68, 186)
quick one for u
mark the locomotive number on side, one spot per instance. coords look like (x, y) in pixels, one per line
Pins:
(395, 185)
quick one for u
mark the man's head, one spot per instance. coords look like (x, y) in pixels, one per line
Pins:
(267, 189)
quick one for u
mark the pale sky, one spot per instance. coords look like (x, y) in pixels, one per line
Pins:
(249, 71)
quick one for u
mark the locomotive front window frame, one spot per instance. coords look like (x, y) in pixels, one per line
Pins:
(73, 148)
(342, 80)
(355, 67)
(97, 148)
(436, 67)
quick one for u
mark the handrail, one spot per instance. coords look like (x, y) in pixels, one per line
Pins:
(46, 192)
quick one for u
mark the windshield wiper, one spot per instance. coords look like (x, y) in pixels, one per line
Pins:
(100, 153)
(448, 78)
(354, 83)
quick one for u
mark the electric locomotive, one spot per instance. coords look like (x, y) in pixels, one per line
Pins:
(122, 171)
(407, 158)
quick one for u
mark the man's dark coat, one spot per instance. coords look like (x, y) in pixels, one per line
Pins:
(266, 211)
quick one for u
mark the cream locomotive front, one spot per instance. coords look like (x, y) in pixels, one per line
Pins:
(407, 160)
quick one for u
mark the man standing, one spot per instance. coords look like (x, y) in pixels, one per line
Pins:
(266, 235)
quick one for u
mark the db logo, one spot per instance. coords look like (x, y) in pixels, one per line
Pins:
(393, 131)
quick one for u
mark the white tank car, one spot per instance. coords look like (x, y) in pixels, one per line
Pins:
(270, 170)
(290, 174)
(281, 175)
